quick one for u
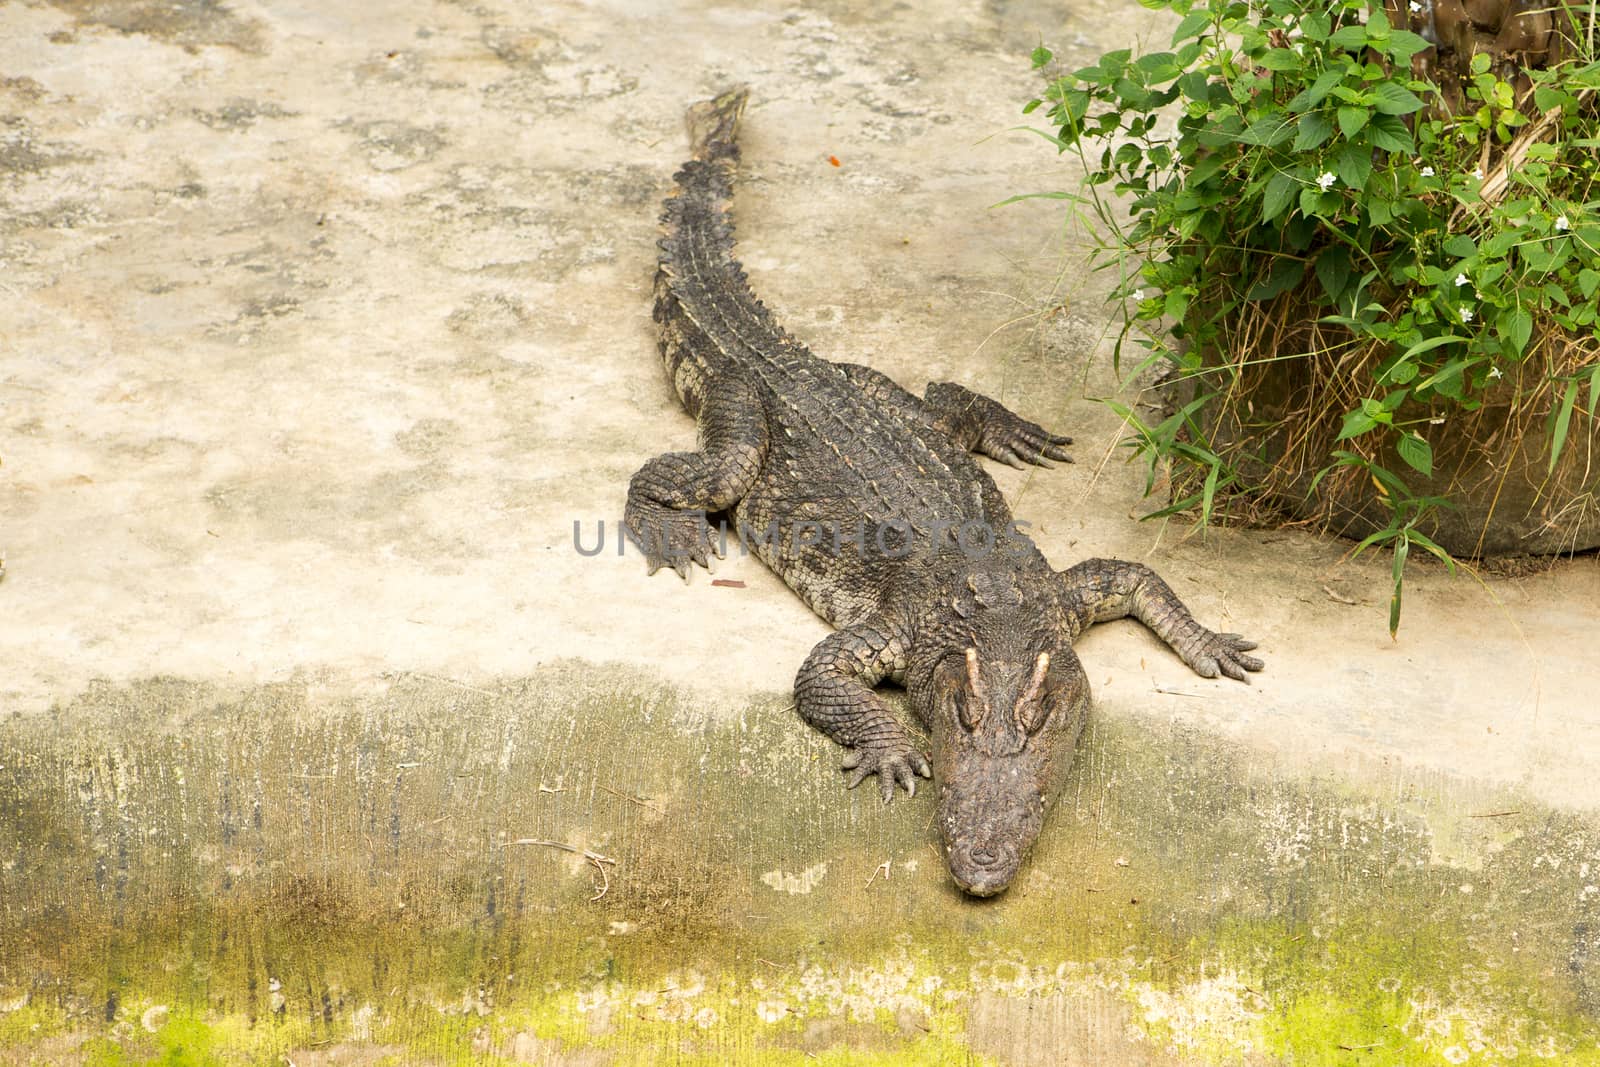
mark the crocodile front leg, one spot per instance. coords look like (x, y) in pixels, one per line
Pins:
(834, 693)
(1098, 590)
(669, 497)
(981, 424)
(976, 423)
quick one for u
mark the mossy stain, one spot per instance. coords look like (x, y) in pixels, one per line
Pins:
(577, 867)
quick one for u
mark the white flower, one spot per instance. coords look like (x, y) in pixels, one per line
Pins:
(1325, 182)
(1427, 172)
(1477, 172)
(1416, 8)
(1138, 294)
(1561, 222)
(1462, 279)
(1494, 373)
(1466, 313)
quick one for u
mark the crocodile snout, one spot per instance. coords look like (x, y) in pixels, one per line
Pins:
(985, 867)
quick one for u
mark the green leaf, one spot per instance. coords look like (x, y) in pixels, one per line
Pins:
(1076, 199)
(1447, 379)
(1285, 274)
(1403, 44)
(1041, 56)
(1558, 434)
(1280, 59)
(1588, 281)
(1461, 245)
(1176, 304)
(1278, 195)
(1209, 492)
(1269, 130)
(1351, 119)
(1538, 259)
(1317, 91)
(1374, 538)
(1207, 168)
(1353, 165)
(1158, 66)
(1333, 271)
(1430, 344)
(1546, 97)
(1195, 86)
(1401, 547)
(1392, 98)
(1352, 38)
(1192, 24)
(1314, 202)
(1416, 452)
(1315, 128)
(1356, 423)
(1428, 543)
(1390, 134)
(1516, 328)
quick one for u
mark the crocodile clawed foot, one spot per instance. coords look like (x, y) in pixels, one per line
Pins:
(676, 539)
(1225, 654)
(1017, 442)
(894, 762)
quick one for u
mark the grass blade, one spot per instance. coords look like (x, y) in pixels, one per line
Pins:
(1558, 436)
(1402, 546)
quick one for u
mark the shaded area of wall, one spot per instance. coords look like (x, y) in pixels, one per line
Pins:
(249, 877)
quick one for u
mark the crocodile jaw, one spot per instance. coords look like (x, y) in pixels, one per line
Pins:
(990, 811)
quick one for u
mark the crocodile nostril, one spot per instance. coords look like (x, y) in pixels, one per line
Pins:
(985, 856)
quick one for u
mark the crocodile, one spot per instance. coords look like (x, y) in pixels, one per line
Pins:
(867, 501)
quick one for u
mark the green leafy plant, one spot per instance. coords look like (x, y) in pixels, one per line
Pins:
(1342, 266)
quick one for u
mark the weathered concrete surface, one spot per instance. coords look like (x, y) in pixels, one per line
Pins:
(324, 324)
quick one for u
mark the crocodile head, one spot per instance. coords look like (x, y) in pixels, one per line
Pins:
(1004, 724)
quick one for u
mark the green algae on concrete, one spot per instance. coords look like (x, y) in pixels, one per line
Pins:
(585, 867)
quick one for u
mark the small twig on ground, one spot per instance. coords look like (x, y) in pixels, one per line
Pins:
(1496, 814)
(882, 868)
(1340, 597)
(593, 857)
(643, 803)
(1176, 692)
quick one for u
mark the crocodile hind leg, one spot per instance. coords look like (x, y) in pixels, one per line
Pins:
(975, 422)
(834, 693)
(1098, 590)
(669, 497)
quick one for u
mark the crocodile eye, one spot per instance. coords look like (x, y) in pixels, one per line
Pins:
(1032, 707)
(973, 703)
(1032, 716)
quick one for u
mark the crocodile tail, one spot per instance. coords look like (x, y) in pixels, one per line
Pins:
(714, 125)
(695, 224)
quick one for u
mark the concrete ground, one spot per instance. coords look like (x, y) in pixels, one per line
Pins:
(324, 326)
